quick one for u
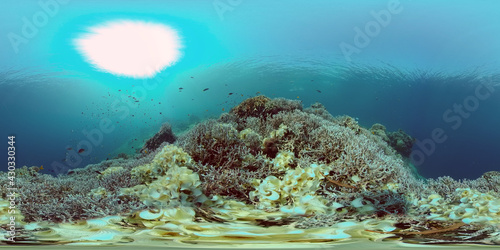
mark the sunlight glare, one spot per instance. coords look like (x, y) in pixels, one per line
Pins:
(130, 48)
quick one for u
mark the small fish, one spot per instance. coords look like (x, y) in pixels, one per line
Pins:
(319, 91)
(119, 90)
(98, 172)
(205, 89)
(258, 92)
(81, 150)
(222, 109)
(146, 151)
(41, 167)
(181, 88)
(192, 76)
(230, 93)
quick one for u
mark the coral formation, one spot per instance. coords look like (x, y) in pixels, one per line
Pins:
(401, 141)
(398, 140)
(164, 135)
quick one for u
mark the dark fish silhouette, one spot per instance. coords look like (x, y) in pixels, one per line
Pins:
(81, 150)
(319, 91)
(205, 89)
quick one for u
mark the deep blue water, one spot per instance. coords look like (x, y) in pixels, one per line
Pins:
(430, 57)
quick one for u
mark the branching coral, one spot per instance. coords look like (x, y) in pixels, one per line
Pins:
(74, 197)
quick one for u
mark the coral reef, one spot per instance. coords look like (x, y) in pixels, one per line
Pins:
(266, 163)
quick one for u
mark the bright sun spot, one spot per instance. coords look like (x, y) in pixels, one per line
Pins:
(130, 48)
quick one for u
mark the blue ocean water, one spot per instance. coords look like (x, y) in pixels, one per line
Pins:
(429, 68)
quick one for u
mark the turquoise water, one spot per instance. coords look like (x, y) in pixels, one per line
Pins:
(421, 61)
